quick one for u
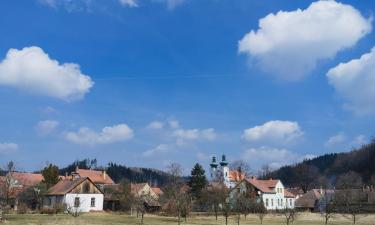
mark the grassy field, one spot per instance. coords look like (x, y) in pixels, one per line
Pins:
(116, 219)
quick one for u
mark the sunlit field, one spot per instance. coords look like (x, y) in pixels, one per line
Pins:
(112, 219)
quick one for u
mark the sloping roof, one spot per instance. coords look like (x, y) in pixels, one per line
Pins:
(308, 200)
(65, 186)
(296, 191)
(235, 175)
(27, 179)
(266, 186)
(288, 194)
(136, 188)
(157, 191)
(98, 177)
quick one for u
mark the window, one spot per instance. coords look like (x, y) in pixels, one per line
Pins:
(76, 202)
(282, 202)
(272, 202)
(267, 202)
(92, 202)
(290, 202)
(278, 202)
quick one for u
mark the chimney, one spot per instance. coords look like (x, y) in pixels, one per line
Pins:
(104, 175)
(77, 168)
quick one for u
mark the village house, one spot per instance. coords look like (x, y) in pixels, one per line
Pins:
(271, 192)
(75, 194)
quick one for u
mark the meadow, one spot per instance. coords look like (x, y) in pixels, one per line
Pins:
(117, 219)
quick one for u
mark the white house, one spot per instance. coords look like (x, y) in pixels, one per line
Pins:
(75, 194)
(271, 192)
(221, 172)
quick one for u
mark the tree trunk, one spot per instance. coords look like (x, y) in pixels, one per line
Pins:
(226, 220)
(179, 218)
(238, 219)
(142, 216)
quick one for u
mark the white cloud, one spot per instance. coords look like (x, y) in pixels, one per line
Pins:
(174, 124)
(359, 141)
(45, 127)
(354, 81)
(68, 5)
(279, 132)
(335, 139)
(289, 44)
(270, 156)
(155, 125)
(129, 3)
(86, 136)
(31, 69)
(171, 4)
(195, 134)
(6, 148)
(160, 149)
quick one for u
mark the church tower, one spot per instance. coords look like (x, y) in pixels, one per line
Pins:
(213, 168)
(225, 169)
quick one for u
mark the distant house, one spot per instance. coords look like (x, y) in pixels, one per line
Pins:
(271, 192)
(150, 195)
(100, 178)
(26, 180)
(75, 194)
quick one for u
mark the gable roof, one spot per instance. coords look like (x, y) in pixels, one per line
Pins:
(309, 199)
(27, 179)
(265, 186)
(136, 188)
(157, 191)
(98, 177)
(65, 186)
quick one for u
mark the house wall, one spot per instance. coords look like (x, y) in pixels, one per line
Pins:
(85, 202)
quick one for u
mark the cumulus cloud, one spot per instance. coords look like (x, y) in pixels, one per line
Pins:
(273, 157)
(160, 149)
(6, 148)
(46, 127)
(155, 125)
(129, 3)
(277, 132)
(354, 81)
(31, 69)
(359, 141)
(171, 4)
(335, 139)
(111, 134)
(289, 44)
(195, 134)
(174, 124)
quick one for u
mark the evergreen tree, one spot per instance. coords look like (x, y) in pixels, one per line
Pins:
(50, 175)
(197, 181)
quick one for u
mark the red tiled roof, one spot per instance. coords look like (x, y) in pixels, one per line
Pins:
(157, 191)
(234, 175)
(266, 186)
(27, 179)
(98, 177)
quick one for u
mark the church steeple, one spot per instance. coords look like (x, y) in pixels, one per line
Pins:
(223, 161)
(213, 163)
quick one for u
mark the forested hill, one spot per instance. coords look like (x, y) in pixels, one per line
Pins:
(119, 172)
(325, 170)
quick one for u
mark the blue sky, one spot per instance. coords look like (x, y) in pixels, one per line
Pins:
(157, 81)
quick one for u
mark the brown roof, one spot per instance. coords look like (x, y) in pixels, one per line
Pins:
(27, 179)
(65, 186)
(135, 188)
(157, 191)
(309, 199)
(266, 186)
(98, 177)
(234, 175)
(288, 194)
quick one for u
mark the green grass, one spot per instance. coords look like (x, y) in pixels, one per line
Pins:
(117, 219)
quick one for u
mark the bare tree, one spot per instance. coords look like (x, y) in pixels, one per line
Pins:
(241, 167)
(6, 189)
(327, 206)
(307, 174)
(260, 210)
(289, 214)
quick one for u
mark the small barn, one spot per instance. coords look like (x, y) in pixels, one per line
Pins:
(75, 194)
